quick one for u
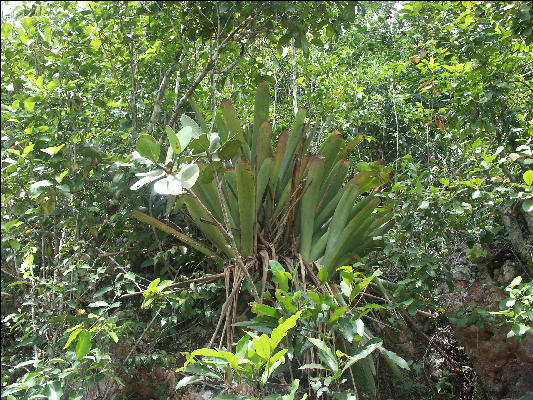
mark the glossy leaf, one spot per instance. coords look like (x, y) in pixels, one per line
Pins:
(148, 147)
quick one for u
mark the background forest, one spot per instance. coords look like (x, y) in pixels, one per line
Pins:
(271, 200)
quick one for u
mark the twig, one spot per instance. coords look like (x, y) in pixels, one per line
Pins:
(140, 337)
(204, 279)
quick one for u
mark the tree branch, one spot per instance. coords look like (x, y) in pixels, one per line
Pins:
(160, 94)
(208, 67)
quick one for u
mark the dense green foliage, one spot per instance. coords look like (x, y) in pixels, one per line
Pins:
(339, 165)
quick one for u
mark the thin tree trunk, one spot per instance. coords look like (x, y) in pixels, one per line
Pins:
(133, 99)
(275, 100)
(397, 130)
(213, 89)
(160, 95)
(294, 83)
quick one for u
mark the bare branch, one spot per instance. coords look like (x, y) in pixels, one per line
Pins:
(160, 94)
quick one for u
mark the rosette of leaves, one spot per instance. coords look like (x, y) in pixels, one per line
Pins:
(251, 193)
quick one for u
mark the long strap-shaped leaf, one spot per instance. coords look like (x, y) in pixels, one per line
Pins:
(222, 129)
(263, 177)
(262, 100)
(341, 216)
(308, 204)
(295, 138)
(350, 236)
(208, 194)
(264, 144)
(199, 116)
(178, 235)
(208, 228)
(233, 123)
(246, 195)
(278, 158)
(330, 149)
(332, 185)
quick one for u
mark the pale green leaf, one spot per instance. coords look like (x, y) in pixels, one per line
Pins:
(527, 205)
(184, 137)
(73, 335)
(262, 346)
(84, 344)
(528, 177)
(394, 357)
(281, 330)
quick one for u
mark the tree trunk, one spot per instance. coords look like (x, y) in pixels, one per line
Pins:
(504, 364)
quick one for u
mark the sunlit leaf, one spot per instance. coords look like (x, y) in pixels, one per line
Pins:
(84, 344)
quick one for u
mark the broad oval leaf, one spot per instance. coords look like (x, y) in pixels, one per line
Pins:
(200, 144)
(168, 185)
(188, 121)
(262, 346)
(263, 309)
(148, 147)
(527, 205)
(113, 336)
(73, 335)
(100, 303)
(229, 149)
(214, 141)
(323, 275)
(54, 390)
(38, 187)
(188, 174)
(184, 138)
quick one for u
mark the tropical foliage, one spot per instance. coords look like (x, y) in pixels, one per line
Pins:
(283, 197)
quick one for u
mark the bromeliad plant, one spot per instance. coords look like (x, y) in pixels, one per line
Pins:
(255, 198)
